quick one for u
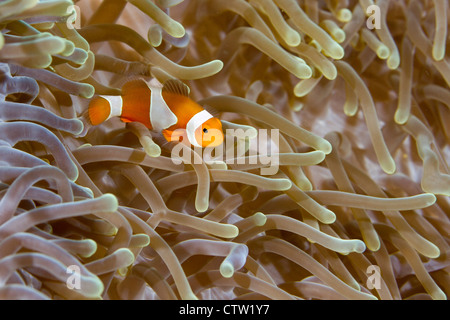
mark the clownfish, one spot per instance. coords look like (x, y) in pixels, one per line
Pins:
(167, 109)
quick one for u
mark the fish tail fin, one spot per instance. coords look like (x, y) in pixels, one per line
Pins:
(98, 111)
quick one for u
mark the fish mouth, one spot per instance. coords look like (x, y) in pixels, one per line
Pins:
(214, 141)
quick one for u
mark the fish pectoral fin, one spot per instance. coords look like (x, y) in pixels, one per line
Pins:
(125, 120)
(211, 110)
(174, 135)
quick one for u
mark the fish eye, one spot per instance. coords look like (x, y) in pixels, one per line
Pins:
(205, 130)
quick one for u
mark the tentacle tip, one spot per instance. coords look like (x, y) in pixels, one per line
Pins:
(360, 246)
(344, 15)
(350, 111)
(122, 271)
(389, 167)
(260, 219)
(111, 200)
(336, 51)
(88, 191)
(293, 39)
(73, 174)
(92, 287)
(373, 245)
(383, 52)
(438, 53)
(330, 74)
(393, 62)
(152, 150)
(434, 254)
(325, 147)
(285, 184)
(146, 241)
(176, 30)
(233, 232)
(218, 64)
(329, 217)
(92, 245)
(87, 91)
(430, 199)
(400, 117)
(201, 206)
(226, 269)
(78, 127)
(126, 256)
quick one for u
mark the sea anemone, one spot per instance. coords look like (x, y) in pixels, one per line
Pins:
(354, 93)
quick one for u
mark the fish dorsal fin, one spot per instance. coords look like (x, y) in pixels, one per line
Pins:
(211, 110)
(177, 87)
(134, 87)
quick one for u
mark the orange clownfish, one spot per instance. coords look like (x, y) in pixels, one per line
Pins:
(167, 109)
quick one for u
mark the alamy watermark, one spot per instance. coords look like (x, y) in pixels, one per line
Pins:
(73, 20)
(373, 278)
(74, 279)
(374, 17)
(239, 147)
